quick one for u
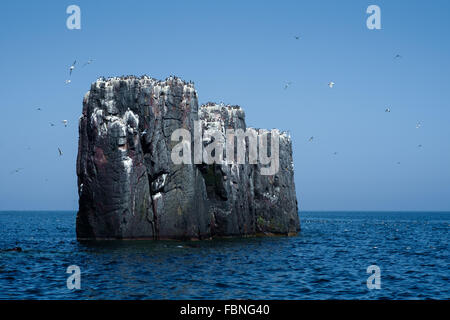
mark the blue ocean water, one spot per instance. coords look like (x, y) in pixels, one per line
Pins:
(327, 260)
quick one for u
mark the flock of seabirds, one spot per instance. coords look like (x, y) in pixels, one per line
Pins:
(64, 122)
(331, 85)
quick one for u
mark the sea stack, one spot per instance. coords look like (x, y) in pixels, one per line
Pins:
(130, 187)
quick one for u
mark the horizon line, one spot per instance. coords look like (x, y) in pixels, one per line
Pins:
(299, 211)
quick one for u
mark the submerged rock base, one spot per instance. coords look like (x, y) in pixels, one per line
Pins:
(130, 188)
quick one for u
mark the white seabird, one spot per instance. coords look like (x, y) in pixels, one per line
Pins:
(331, 84)
(72, 67)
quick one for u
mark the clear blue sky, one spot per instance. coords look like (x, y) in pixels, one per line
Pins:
(243, 52)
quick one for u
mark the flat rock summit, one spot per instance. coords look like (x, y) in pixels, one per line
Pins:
(130, 187)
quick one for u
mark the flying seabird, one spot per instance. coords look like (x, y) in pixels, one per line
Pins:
(418, 125)
(287, 85)
(52, 124)
(16, 170)
(68, 81)
(397, 56)
(387, 110)
(311, 139)
(72, 67)
(60, 152)
(88, 62)
(331, 84)
(64, 122)
(297, 37)
(38, 109)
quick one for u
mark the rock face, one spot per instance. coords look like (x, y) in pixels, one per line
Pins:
(130, 187)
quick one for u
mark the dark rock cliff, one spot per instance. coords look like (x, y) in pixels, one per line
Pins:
(129, 186)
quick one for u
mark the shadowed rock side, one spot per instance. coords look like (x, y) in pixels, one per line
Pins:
(129, 188)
